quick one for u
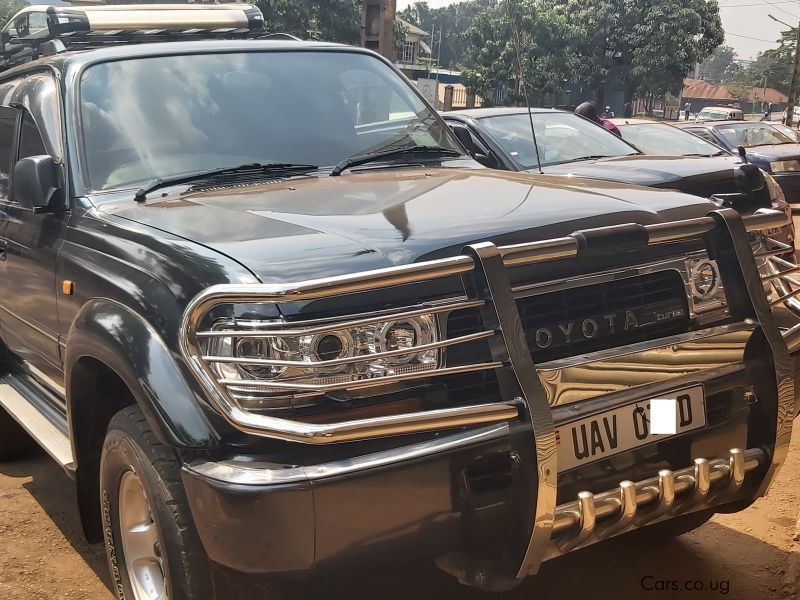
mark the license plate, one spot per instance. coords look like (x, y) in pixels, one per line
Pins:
(614, 431)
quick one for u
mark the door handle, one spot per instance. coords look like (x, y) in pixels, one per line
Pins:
(3, 245)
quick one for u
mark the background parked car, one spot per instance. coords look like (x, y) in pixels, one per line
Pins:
(662, 139)
(763, 145)
(571, 145)
(719, 113)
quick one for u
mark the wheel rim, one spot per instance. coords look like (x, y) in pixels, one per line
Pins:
(140, 544)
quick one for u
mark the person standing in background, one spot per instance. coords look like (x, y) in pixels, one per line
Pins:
(589, 110)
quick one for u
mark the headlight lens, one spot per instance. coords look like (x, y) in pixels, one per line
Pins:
(782, 166)
(326, 354)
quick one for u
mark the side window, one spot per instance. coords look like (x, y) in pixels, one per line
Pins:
(8, 127)
(30, 141)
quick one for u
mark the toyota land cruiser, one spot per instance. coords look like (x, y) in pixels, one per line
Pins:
(260, 305)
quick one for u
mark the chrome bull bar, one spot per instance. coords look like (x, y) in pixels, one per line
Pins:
(483, 269)
(596, 517)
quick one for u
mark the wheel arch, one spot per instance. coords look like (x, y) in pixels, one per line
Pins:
(114, 358)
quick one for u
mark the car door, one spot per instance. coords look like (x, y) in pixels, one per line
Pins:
(31, 240)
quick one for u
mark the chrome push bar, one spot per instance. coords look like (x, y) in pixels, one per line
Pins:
(461, 265)
(483, 269)
(595, 517)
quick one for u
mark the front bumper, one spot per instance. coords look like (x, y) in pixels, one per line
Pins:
(451, 498)
(492, 509)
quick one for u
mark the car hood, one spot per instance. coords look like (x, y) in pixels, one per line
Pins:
(323, 226)
(691, 174)
(775, 152)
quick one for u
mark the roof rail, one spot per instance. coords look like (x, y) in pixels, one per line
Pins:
(41, 30)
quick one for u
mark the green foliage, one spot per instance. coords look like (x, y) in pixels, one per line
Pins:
(8, 8)
(542, 33)
(721, 67)
(650, 44)
(330, 20)
(775, 64)
(452, 22)
(647, 45)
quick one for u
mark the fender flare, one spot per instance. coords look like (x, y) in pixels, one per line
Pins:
(116, 336)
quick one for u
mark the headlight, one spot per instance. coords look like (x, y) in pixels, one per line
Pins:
(782, 166)
(288, 354)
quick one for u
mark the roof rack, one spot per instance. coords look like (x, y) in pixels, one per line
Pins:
(40, 30)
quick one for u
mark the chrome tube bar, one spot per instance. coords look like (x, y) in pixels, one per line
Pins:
(388, 316)
(784, 297)
(524, 254)
(782, 262)
(771, 253)
(697, 479)
(461, 265)
(764, 218)
(315, 364)
(781, 274)
(792, 338)
(661, 233)
(358, 384)
(390, 425)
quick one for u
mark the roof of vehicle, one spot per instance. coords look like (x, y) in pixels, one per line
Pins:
(480, 113)
(116, 52)
(712, 123)
(721, 108)
(620, 121)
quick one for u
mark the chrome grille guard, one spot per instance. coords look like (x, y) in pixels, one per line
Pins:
(483, 269)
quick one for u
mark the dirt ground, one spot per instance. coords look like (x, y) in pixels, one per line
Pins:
(749, 555)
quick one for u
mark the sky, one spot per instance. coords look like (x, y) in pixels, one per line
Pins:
(749, 18)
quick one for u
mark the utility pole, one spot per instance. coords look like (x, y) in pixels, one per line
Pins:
(795, 74)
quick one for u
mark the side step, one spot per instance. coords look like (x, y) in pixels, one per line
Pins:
(46, 423)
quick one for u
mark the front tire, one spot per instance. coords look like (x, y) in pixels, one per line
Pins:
(154, 552)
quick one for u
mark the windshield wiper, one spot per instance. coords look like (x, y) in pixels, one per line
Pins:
(354, 161)
(141, 194)
(590, 157)
(720, 153)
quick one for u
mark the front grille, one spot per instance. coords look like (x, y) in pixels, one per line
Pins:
(588, 318)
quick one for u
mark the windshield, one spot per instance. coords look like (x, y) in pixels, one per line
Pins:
(162, 117)
(666, 140)
(752, 134)
(562, 137)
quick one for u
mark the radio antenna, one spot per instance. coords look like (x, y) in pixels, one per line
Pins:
(522, 82)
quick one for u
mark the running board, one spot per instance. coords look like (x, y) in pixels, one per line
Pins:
(43, 422)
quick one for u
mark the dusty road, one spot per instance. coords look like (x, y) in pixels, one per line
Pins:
(749, 556)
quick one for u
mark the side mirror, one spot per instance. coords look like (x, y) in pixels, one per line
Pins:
(464, 137)
(742, 153)
(752, 185)
(35, 182)
(486, 161)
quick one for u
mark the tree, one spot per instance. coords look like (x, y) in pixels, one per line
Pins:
(8, 8)
(541, 33)
(330, 20)
(772, 68)
(649, 45)
(452, 23)
(721, 66)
